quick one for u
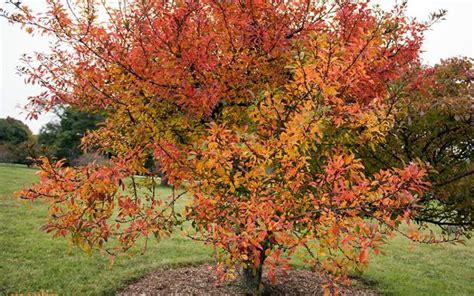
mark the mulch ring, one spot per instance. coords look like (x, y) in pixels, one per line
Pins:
(201, 280)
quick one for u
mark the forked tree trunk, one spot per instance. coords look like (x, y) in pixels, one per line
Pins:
(252, 278)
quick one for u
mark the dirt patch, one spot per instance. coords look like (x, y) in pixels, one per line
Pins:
(201, 280)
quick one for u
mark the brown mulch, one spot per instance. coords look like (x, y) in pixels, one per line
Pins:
(201, 280)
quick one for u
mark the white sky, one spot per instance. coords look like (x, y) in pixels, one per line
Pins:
(452, 37)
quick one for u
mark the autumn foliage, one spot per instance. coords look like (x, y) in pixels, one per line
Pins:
(253, 108)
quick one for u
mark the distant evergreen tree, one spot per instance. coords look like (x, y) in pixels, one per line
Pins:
(62, 139)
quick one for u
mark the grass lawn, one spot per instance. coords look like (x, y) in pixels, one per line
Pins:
(30, 260)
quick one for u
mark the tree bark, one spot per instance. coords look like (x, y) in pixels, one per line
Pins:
(252, 278)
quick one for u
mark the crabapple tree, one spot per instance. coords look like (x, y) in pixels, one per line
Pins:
(252, 109)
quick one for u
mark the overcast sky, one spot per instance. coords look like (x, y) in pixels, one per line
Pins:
(452, 37)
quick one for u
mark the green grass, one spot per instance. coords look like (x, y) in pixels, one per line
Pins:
(414, 269)
(31, 261)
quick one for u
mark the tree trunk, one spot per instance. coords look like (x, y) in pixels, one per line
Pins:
(252, 278)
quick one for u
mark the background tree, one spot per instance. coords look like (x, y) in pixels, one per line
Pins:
(434, 123)
(16, 141)
(13, 131)
(62, 139)
(252, 107)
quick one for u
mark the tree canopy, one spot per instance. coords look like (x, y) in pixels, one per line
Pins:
(13, 131)
(434, 123)
(15, 141)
